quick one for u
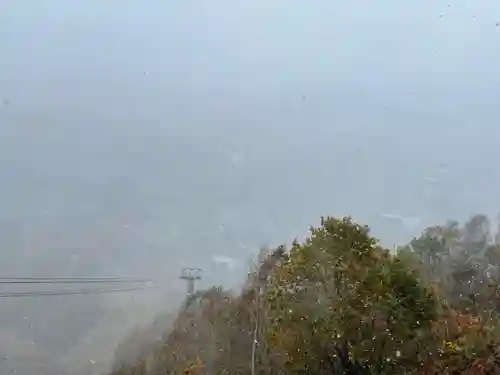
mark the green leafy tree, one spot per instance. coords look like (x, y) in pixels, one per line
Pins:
(468, 326)
(464, 260)
(343, 303)
(338, 303)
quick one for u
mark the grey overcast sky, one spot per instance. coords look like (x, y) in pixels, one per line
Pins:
(137, 137)
(54, 48)
(95, 92)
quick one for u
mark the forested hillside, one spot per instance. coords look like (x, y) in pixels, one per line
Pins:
(339, 303)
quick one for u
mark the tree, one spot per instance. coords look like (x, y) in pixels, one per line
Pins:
(468, 325)
(464, 259)
(343, 302)
(338, 303)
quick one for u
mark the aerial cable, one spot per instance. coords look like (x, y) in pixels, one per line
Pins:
(69, 281)
(69, 292)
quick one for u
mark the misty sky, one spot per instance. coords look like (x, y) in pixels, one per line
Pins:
(137, 137)
(327, 108)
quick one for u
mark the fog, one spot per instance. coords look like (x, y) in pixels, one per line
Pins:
(137, 138)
